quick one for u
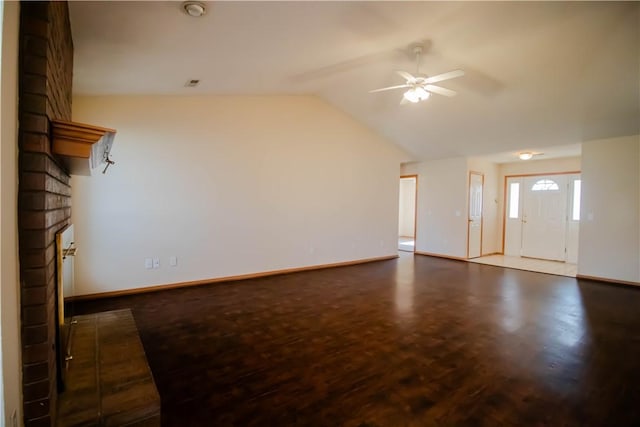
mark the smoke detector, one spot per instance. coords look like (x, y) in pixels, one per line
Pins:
(194, 8)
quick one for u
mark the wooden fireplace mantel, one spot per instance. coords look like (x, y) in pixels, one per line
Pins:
(83, 147)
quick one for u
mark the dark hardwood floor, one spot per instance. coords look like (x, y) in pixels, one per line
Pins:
(409, 342)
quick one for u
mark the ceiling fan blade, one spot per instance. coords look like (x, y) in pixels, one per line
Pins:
(389, 88)
(440, 90)
(444, 76)
(408, 77)
(404, 101)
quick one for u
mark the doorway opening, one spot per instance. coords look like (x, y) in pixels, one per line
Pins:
(407, 213)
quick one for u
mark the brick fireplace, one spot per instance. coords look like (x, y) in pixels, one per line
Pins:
(44, 206)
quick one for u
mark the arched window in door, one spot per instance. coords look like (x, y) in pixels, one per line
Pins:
(545, 185)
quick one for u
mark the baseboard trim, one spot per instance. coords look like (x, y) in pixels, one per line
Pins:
(155, 288)
(606, 280)
(455, 258)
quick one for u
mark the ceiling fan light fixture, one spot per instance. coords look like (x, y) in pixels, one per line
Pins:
(194, 8)
(525, 155)
(419, 86)
(416, 94)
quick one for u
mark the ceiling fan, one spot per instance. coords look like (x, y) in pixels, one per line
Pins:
(420, 86)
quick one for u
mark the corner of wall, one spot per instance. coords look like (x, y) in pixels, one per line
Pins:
(11, 398)
(395, 150)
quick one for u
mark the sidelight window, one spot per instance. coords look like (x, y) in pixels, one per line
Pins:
(514, 199)
(575, 211)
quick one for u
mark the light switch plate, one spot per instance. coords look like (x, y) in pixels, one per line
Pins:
(156, 263)
(173, 261)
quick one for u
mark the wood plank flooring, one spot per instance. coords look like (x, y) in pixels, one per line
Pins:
(416, 341)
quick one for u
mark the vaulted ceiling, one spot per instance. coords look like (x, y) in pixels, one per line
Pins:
(538, 75)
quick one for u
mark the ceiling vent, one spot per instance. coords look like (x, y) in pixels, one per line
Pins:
(192, 83)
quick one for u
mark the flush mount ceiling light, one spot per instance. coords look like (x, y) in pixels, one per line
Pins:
(528, 155)
(194, 8)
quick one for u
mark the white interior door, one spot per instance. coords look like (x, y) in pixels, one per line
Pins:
(544, 217)
(476, 181)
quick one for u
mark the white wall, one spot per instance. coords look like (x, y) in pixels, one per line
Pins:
(490, 199)
(610, 212)
(407, 211)
(230, 185)
(442, 217)
(10, 388)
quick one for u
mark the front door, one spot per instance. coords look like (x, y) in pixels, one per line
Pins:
(544, 218)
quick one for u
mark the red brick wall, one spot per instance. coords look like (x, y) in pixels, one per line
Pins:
(46, 63)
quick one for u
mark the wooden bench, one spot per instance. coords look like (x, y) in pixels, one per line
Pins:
(108, 382)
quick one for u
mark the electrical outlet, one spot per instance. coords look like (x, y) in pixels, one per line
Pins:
(156, 263)
(148, 263)
(173, 261)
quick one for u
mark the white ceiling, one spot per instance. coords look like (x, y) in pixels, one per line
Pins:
(538, 75)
